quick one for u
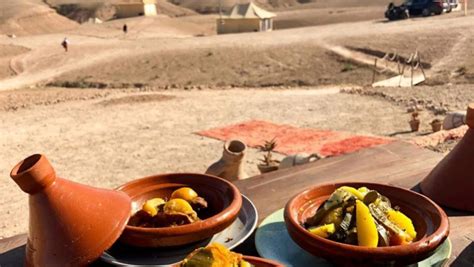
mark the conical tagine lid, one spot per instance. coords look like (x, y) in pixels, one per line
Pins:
(451, 182)
(70, 224)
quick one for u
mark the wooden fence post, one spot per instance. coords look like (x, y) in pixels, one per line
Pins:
(375, 70)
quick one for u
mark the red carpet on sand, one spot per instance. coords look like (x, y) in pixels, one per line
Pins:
(292, 140)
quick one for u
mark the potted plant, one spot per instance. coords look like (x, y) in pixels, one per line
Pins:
(436, 125)
(414, 122)
(268, 163)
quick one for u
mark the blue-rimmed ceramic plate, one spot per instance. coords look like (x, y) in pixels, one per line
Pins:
(273, 242)
(232, 236)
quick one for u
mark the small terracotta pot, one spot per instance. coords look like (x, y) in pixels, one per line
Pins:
(223, 198)
(414, 125)
(451, 182)
(267, 168)
(70, 224)
(430, 221)
(436, 125)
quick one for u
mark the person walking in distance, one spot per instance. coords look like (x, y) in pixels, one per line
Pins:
(65, 44)
(125, 28)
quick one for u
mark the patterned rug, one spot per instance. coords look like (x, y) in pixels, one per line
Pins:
(292, 140)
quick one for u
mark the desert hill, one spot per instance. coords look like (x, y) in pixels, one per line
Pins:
(22, 17)
(82, 10)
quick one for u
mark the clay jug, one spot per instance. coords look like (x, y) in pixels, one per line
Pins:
(451, 182)
(231, 165)
(70, 224)
(298, 159)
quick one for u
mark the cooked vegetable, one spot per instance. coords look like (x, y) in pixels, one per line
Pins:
(151, 205)
(190, 196)
(351, 236)
(215, 255)
(157, 212)
(371, 197)
(384, 236)
(324, 230)
(367, 235)
(353, 191)
(340, 198)
(333, 216)
(363, 189)
(346, 223)
(178, 205)
(361, 217)
(402, 221)
(185, 193)
(397, 235)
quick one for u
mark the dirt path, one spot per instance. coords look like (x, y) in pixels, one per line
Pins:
(47, 59)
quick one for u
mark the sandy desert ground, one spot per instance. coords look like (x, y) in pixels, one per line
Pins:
(118, 107)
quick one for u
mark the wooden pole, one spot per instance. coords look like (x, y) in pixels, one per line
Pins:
(465, 7)
(421, 67)
(375, 69)
(401, 75)
(220, 10)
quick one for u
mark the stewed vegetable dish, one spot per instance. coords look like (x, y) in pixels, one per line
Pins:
(361, 217)
(182, 208)
(214, 255)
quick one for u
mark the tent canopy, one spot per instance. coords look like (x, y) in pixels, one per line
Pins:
(248, 11)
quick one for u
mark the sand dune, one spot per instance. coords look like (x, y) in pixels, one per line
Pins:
(22, 17)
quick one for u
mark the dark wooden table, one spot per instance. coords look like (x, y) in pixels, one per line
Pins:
(399, 164)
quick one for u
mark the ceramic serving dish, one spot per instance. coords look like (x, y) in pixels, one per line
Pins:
(224, 203)
(430, 221)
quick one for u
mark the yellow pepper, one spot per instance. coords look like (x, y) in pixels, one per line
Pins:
(367, 234)
(353, 191)
(323, 230)
(402, 221)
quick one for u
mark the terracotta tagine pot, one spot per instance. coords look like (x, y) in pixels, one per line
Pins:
(451, 182)
(231, 165)
(70, 224)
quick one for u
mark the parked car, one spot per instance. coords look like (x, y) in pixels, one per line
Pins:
(394, 12)
(424, 7)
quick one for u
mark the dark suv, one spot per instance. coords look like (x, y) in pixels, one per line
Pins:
(424, 7)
